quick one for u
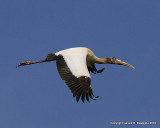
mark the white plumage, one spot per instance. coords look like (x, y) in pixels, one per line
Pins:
(76, 60)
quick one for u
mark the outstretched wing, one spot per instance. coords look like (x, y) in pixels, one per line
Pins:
(80, 86)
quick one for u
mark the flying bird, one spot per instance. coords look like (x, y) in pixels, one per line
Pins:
(74, 66)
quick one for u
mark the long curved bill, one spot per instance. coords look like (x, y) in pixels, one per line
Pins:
(120, 62)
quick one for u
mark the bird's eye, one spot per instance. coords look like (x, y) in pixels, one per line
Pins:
(113, 58)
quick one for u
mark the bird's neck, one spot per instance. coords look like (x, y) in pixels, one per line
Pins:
(101, 60)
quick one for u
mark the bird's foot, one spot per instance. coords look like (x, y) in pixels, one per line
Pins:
(24, 63)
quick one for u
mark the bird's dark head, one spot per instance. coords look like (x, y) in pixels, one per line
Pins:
(111, 60)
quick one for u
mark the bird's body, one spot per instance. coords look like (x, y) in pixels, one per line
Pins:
(74, 66)
(75, 59)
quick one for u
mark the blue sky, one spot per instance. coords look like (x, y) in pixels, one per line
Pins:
(36, 97)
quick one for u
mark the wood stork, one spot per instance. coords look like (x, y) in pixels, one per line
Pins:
(74, 66)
